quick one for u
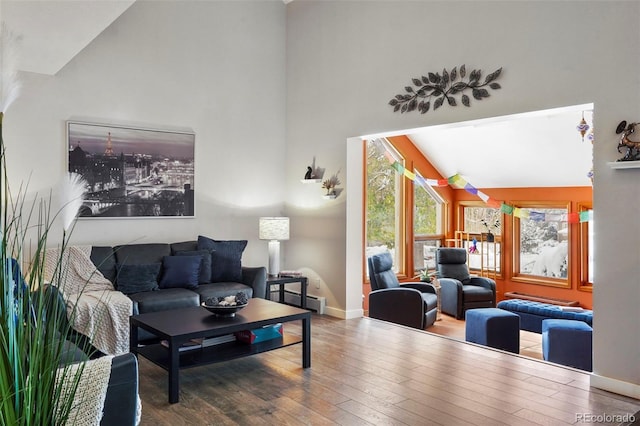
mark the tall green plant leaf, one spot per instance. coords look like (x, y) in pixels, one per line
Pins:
(32, 329)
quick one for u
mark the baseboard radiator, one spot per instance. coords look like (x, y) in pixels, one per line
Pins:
(314, 303)
(541, 299)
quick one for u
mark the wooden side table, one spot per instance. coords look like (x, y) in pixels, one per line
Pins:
(282, 281)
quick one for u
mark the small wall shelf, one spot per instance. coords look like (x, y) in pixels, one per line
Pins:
(330, 197)
(310, 180)
(624, 164)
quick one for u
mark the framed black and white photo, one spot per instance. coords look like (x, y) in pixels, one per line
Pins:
(133, 172)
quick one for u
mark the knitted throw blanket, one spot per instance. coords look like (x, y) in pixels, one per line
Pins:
(94, 308)
(88, 401)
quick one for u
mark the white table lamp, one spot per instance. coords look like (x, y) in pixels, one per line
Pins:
(274, 229)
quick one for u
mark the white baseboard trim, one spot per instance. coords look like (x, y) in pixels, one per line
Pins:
(616, 386)
(342, 314)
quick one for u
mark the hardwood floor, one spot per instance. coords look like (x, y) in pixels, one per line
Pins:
(369, 372)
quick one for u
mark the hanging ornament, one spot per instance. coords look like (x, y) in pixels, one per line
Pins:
(582, 127)
(590, 138)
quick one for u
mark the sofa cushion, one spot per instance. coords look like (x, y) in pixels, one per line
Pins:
(222, 289)
(165, 299)
(183, 246)
(105, 261)
(141, 253)
(138, 278)
(226, 258)
(71, 353)
(205, 263)
(180, 271)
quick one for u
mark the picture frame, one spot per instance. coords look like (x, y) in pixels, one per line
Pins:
(133, 172)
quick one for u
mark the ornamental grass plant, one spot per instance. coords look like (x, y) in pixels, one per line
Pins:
(38, 384)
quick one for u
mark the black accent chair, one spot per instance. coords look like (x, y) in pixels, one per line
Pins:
(411, 304)
(460, 291)
(121, 401)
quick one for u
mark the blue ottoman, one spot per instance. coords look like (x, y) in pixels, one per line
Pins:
(493, 327)
(533, 313)
(568, 342)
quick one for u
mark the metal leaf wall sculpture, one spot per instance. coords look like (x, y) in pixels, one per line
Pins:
(445, 86)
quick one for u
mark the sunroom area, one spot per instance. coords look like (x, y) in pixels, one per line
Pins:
(514, 192)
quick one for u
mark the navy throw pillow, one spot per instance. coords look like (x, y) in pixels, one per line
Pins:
(138, 278)
(205, 263)
(226, 258)
(180, 271)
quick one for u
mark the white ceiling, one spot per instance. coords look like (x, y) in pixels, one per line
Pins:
(50, 33)
(538, 149)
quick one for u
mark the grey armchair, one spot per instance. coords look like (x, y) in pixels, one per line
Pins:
(458, 290)
(410, 304)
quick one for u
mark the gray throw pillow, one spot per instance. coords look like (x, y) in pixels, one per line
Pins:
(138, 278)
(226, 258)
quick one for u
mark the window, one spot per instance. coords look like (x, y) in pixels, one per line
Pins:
(427, 226)
(385, 203)
(541, 244)
(484, 249)
(586, 250)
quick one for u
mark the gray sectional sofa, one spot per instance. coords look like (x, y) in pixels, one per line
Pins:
(166, 276)
(228, 276)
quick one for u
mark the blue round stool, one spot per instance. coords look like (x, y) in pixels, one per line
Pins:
(493, 327)
(568, 342)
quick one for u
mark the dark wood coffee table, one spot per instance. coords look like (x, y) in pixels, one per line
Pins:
(179, 326)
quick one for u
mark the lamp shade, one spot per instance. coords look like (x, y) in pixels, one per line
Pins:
(274, 228)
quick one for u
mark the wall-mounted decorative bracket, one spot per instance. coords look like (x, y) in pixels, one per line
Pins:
(444, 87)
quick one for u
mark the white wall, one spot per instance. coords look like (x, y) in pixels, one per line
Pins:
(345, 60)
(223, 69)
(215, 67)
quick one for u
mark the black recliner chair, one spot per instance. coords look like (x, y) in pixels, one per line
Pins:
(459, 291)
(411, 304)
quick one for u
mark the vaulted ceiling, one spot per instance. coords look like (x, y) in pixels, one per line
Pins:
(525, 150)
(538, 149)
(50, 33)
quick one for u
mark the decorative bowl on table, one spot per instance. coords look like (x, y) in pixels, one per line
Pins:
(223, 311)
(226, 306)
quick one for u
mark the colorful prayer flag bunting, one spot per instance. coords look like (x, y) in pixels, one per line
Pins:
(458, 181)
(408, 173)
(573, 218)
(586, 216)
(470, 189)
(505, 208)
